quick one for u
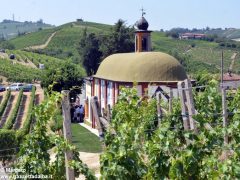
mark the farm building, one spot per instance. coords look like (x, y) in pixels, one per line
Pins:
(231, 80)
(192, 36)
(152, 71)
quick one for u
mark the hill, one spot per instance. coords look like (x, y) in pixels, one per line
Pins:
(229, 33)
(10, 29)
(201, 54)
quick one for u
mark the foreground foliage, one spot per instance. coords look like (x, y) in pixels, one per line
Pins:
(144, 149)
(34, 155)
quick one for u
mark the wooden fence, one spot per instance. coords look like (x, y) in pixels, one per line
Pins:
(103, 117)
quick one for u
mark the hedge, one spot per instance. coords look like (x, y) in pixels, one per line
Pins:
(4, 103)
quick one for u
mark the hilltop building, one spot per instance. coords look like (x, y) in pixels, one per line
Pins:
(192, 36)
(150, 70)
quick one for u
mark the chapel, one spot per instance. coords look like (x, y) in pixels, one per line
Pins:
(151, 71)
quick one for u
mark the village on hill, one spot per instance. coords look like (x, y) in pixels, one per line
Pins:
(87, 100)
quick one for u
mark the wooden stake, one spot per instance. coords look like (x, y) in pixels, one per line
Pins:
(222, 69)
(102, 122)
(170, 100)
(190, 104)
(108, 113)
(225, 114)
(159, 110)
(97, 113)
(183, 106)
(67, 133)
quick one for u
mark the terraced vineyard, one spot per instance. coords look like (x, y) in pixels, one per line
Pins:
(16, 108)
(27, 58)
(25, 66)
(15, 72)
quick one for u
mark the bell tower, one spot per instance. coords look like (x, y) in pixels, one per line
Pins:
(142, 35)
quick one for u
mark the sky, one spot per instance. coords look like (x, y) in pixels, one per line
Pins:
(160, 14)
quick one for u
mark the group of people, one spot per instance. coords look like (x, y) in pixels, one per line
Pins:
(77, 113)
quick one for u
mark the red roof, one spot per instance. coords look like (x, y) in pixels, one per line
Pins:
(231, 77)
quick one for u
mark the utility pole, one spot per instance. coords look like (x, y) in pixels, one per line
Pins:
(225, 114)
(222, 69)
(224, 104)
(67, 133)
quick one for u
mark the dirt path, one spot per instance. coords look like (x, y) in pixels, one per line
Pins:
(3, 55)
(39, 94)
(233, 58)
(42, 46)
(92, 161)
(22, 112)
(28, 63)
(10, 106)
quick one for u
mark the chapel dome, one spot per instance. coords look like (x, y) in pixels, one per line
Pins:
(141, 67)
(142, 24)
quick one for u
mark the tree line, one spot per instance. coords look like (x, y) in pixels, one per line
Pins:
(94, 48)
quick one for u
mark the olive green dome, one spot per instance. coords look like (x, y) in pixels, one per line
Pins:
(141, 67)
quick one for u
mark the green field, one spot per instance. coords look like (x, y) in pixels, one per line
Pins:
(84, 140)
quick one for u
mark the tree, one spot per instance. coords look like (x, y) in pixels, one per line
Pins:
(120, 40)
(89, 52)
(65, 77)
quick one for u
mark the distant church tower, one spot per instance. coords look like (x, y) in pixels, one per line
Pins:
(142, 35)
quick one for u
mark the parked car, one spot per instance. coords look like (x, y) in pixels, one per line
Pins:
(15, 86)
(27, 87)
(2, 88)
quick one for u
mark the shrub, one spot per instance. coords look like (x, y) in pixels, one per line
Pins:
(4, 103)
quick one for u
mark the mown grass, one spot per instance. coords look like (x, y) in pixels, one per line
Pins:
(84, 140)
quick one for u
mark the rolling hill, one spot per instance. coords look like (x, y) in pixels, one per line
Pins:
(64, 44)
(10, 29)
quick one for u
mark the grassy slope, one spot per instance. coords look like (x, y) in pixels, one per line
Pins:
(84, 140)
(204, 51)
(227, 33)
(18, 72)
(68, 35)
(32, 39)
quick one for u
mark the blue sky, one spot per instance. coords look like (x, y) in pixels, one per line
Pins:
(161, 14)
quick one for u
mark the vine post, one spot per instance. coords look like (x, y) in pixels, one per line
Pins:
(96, 113)
(190, 104)
(182, 96)
(159, 110)
(225, 121)
(170, 100)
(67, 133)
